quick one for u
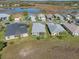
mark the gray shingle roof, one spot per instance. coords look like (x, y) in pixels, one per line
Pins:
(72, 27)
(4, 15)
(55, 28)
(38, 27)
(60, 16)
(15, 29)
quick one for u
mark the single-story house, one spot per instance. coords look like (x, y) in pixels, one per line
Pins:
(16, 30)
(42, 17)
(77, 16)
(17, 19)
(68, 17)
(1, 5)
(16, 5)
(72, 28)
(38, 29)
(4, 16)
(49, 17)
(33, 18)
(76, 21)
(18, 16)
(60, 16)
(55, 29)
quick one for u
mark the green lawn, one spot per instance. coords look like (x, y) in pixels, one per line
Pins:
(65, 36)
(1, 35)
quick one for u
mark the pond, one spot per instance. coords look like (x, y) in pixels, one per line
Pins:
(33, 10)
(29, 10)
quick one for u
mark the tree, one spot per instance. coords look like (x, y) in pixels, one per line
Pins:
(25, 13)
(11, 18)
(2, 26)
(38, 38)
(2, 45)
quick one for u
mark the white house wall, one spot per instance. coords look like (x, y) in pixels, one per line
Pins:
(35, 33)
(24, 35)
(14, 37)
(53, 34)
(76, 34)
(10, 37)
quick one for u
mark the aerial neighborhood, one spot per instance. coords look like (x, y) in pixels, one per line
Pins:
(18, 24)
(39, 29)
(24, 22)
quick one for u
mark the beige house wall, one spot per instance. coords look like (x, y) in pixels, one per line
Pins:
(14, 37)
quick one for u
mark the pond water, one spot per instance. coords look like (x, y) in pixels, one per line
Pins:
(33, 10)
(29, 10)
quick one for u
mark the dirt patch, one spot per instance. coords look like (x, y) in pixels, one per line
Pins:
(42, 50)
(52, 8)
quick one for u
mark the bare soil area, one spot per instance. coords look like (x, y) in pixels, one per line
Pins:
(49, 8)
(42, 50)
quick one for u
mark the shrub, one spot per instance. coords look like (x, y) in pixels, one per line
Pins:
(59, 37)
(2, 45)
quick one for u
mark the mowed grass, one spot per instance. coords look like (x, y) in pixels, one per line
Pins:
(1, 35)
(65, 36)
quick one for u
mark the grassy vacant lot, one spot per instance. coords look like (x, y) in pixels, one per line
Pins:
(42, 49)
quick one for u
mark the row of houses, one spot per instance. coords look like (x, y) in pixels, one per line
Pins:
(42, 17)
(40, 29)
(17, 17)
(9, 5)
(62, 18)
(51, 17)
(19, 29)
(16, 30)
